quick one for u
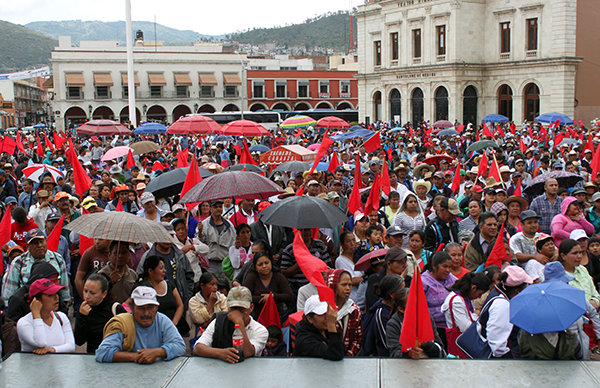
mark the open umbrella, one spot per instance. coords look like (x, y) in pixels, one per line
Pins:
(494, 118)
(39, 126)
(447, 132)
(332, 122)
(481, 145)
(314, 147)
(144, 147)
(564, 179)
(355, 127)
(115, 153)
(243, 128)
(150, 129)
(245, 167)
(194, 124)
(119, 226)
(397, 129)
(443, 124)
(170, 183)
(36, 171)
(293, 165)
(298, 121)
(554, 117)
(568, 141)
(259, 148)
(547, 307)
(303, 213)
(232, 184)
(437, 158)
(364, 262)
(103, 128)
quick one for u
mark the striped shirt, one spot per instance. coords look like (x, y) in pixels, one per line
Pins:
(317, 249)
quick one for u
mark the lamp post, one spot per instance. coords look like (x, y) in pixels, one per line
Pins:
(144, 110)
(90, 110)
(195, 108)
(242, 63)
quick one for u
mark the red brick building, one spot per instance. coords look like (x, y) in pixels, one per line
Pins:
(301, 90)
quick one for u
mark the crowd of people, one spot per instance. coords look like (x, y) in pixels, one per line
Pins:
(441, 216)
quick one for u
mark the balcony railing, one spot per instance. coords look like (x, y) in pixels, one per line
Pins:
(103, 96)
(440, 58)
(207, 95)
(504, 56)
(416, 61)
(531, 54)
(75, 96)
(231, 95)
(162, 95)
(345, 95)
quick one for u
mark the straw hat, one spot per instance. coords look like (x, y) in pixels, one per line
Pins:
(420, 167)
(314, 173)
(522, 201)
(289, 192)
(421, 183)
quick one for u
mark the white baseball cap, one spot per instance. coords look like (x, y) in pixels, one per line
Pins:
(144, 295)
(314, 305)
(578, 234)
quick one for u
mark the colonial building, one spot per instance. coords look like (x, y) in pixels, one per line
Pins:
(464, 59)
(90, 81)
(24, 102)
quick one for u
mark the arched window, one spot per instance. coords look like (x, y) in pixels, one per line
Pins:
(505, 101)
(532, 102)
(396, 106)
(417, 107)
(377, 107)
(441, 104)
(470, 105)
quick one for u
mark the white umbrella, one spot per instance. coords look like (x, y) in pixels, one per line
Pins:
(35, 172)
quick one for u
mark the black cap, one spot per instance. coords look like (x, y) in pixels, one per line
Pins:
(216, 202)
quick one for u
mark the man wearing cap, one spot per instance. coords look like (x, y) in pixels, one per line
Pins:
(96, 152)
(142, 336)
(439, 186)
(42, 208)
(91, 205)
(547, 205)
(135, 171)
(21, 225)
(523, 244)
(216, 341)
(443, 228)
(62, 200)
(219, 234)
(214, 155)
(149, 209)
(180, 211)
(20, 269)
(122, 194)
(246, 214)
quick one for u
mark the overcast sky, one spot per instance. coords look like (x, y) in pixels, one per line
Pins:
(206, 17)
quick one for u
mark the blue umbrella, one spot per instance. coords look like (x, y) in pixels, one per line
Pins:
(447, 132)
(355, 127)
(260, 148)
(322, 166)
(554, 117)
(150, 129)
(39, 126)
(547, 307)
(222, 138)
(494, 118)
(397, 129)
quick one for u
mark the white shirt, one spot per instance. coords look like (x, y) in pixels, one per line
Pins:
(462, 316)
(257, 334)
(499, 326)
(35, 333)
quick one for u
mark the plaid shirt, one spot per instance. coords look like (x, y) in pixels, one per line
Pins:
(345, 187)
(20, 270)
(317, 249)
(542, 207)
(354, 332)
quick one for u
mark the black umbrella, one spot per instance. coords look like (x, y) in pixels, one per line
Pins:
(564, 179)
(481, 145)
(294, 165)
(245, 167)
(170, 183)
(303, 213)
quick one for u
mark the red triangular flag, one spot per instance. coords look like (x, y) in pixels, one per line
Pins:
(192, 178)
(483, 165)
(498, 253)
(20, 143)
(130, 160)
(581, 124)
(59, 140)
(416, 326)
(5, 236)
(460, 128)
(456, 180)
(182, 157)
(325, 144)
(589, 145)
(300, 192)
(477, 134)
(495, 170)
(54, 238)
(513, 128)
(373, 200)
(595, 164)
(313, 268)
(83, 182)
(157, 166)
(334, 163)
(119, 206)
(518, 189)
(245, 157)
(486, 132)
(500, 131)
(48, 143)
(386, 186)
(8, 145)
(354, 202)
(373, 143)
(269, 316)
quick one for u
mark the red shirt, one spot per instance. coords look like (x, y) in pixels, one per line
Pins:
(18, 232)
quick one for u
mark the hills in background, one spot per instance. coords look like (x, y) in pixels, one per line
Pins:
(22, 48)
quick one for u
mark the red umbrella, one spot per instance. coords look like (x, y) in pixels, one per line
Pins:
(194, 124)
(437, 158)
(243, 128)
(103, 128)
(443, 124)
(232, 184)
(364, 262)
(332, 122)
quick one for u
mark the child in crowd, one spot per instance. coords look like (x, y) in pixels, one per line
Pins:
(275, 346)
(373, 242)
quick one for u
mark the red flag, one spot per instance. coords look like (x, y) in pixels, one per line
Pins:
(8, 145)
(386, 186)
(460, 128)
(518, 189)
(416, 326)
(130, 160)
(157, 166)
(334, 163)
(486, 131)
(483, 165)
(5, 236)
(119, 206)
(192, 178)
(581, 124)
(373, 143)
(300, 192)
(522, 146)
(495, 170)
(477, 134)
(498, 254)
(354, 202)
(182, 157)
(299, 133)
(312, 268)
(245, 157)
(48, 142)
(20, 143)
(530, 132)
(456, 180)
(269, 316)
(589, 145)
(513, 128)
(373, 200)
(82, 180)
(500, 131)
(325, 144)
(54, 238)
(595, 164)
(558, 139)
(59, 140)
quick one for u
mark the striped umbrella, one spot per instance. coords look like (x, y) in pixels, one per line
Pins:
(36, 171)
(297, 121)
(119, 226)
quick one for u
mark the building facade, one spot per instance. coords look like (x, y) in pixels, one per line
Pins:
(90, 82)
(464, 59)
(25, 102)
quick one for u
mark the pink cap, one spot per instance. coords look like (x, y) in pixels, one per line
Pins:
(44, 286)
(516, 276)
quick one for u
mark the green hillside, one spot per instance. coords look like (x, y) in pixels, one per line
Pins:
(96, 30)
(21, 48)
(323, 31)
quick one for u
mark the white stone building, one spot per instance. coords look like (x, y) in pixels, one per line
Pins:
(464, 59)
(90, 81)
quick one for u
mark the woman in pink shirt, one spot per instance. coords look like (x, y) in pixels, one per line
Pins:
(571, 218)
